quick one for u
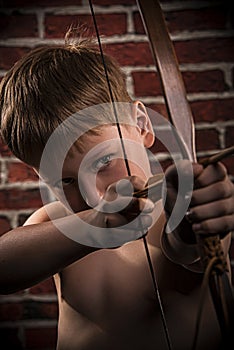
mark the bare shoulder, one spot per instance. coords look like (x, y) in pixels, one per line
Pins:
(51, 211)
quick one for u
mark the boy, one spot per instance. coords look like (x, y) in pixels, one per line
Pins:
(106, 296)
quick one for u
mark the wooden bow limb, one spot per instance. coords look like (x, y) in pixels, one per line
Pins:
(180, 116)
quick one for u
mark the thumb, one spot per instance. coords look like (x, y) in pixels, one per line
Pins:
(197, 169)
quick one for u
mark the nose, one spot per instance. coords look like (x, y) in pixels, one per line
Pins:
(89, 190)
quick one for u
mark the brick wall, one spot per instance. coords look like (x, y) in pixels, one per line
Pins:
(202, 32)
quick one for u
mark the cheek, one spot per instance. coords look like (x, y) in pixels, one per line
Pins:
(141, 171)
(111, 175)
(76, 200)
(72, 199)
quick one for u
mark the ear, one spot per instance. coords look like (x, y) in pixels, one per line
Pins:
(143, 122)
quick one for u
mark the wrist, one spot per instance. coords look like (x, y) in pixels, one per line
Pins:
(179, 252)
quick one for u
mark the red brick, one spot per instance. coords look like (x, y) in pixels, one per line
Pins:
(229, 163)
(9, 55)
(190, 51)
(158, 147)
(207, 140)
(146, 84)
(108, 24)
(18, 25)
(40, 338)
(5, 225)
(11, 311)
(45, 287)
(132, 54)
(165, 142)
(205, 50)
(4, 150)
(204, 81)
(49, 310)
(38, 3)
(158, 108)
(20, 172)
(195, 19)
(229, 136)
(213, 110)
(114, 2)
(20, 199)
(1, 171)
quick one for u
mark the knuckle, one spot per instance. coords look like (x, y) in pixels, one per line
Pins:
(222, 189)
(219, 169)
(111, 188)
(224, 208)
(222, 169)
(137, 182)
(226, 224)
(228, 206)
(194, 199)
(207, 226)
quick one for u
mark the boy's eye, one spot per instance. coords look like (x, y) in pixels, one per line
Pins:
(102, 162)
(67, 181)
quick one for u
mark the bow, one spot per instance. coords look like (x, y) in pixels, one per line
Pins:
(180, 116)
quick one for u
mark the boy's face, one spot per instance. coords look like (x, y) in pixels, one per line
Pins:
(87, 174)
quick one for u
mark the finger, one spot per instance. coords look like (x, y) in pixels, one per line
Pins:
(221, 189)
(138, 205)
(220, 226)
(211, 174)
(127, 186)
(146, 205)
(126, 206)
(113, 206)
(215, 209)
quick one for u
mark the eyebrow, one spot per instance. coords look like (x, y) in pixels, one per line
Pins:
(105, 147)
(92, 154)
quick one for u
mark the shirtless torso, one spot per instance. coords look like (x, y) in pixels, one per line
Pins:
(107, 301)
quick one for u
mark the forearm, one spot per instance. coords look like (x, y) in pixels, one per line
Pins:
(32, 253)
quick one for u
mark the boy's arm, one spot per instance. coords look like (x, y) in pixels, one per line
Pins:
(36, 251)
(39, 249)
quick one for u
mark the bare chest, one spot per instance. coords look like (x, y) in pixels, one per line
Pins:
(113, 290)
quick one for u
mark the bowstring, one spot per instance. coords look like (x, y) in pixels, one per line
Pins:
(146, 248)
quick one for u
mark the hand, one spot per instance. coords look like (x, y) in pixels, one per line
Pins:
(211, 209)
(124, 217)
(212, 203)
